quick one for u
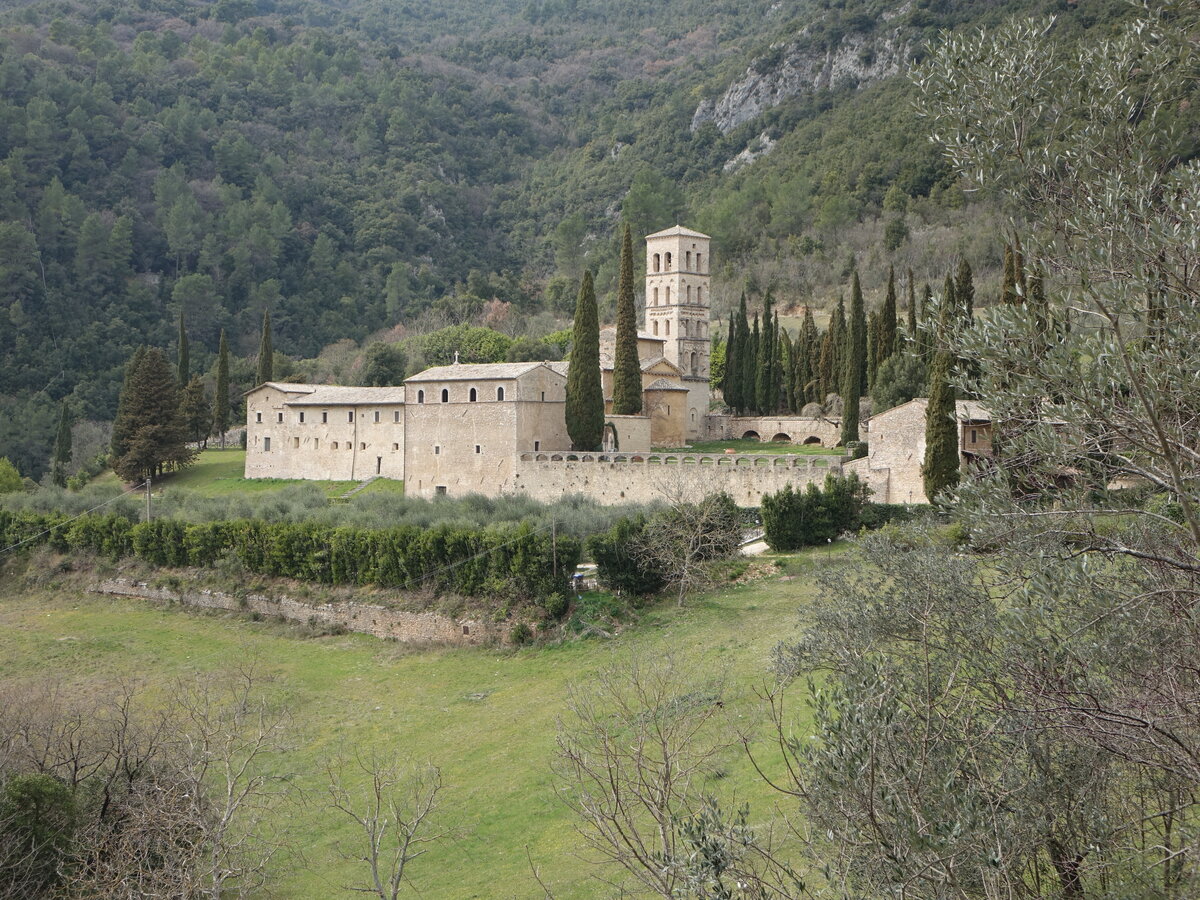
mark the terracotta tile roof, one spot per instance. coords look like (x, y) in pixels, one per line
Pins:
(663, 385)
(475, 372)
(676, 231)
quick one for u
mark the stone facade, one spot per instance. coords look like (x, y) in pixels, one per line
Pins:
(823, 432)
(896, 448)
(324, 432)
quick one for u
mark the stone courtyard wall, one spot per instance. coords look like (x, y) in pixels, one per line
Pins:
(797, 429)
(612, 478)
(406, 627)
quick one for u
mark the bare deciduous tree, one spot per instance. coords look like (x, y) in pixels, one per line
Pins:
(395, 814)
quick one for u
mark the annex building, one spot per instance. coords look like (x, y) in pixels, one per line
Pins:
(500, 428)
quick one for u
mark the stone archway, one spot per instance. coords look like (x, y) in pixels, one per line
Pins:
(781, 438)
(813, 439)
(751, 436)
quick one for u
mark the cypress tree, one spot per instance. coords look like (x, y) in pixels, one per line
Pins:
(837, 328)
(854, 365)
(221, 401)
(827, 367)
(627, 368)
(585, 396)
(1008, 284)
(754, 375)
(729, 376)
(184, 364)
(857, 328)
(197, 410)
(964, 290)
(62, 447)
(874, 346)
(812, 353)
(745, 375)
(940, 468)
(912, 307)
(887, 321)
(266, 354)
(799, 373)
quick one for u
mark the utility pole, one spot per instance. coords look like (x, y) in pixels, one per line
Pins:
(147, 497)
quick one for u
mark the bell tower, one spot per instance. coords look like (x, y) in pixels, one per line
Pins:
(677, 307)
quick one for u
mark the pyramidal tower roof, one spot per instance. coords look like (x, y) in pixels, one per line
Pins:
(677, 231)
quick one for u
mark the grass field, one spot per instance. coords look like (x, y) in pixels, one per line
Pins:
(218, 473)
(487, 717)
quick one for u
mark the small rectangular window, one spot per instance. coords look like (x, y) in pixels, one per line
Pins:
(974, 436)
(537, 445)
(266, 445)
(301, 418)
(477, 448)
(441, 489)
(258, 417)
(325, 418)
(396, 416)
(280, 418)
(316, 443)
(376, 416)
(437, 451)
(362, 446)
(350, 416)
(295, 443)
(334, 445)
(395, 447)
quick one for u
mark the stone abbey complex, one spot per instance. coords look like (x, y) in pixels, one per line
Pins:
(500, 428)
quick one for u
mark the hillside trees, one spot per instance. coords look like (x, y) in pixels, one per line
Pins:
(585, 394)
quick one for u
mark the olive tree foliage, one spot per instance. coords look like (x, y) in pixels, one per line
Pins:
(1098, 382)
(937, 765)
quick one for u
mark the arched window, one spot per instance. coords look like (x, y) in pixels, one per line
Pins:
(693, 363)
(699, 293)
(657, 263)
(668, 295)
(500, 393)
(689, 260)
(655, 323)
(445, 395)
(689, 293)
(699, 267)
(668, 262)
(474, 396)
(420, 396)
(655, 303)
(667, 324)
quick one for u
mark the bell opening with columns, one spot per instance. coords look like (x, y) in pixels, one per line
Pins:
(678, 264)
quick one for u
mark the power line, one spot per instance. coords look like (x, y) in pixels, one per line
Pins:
(136, 487)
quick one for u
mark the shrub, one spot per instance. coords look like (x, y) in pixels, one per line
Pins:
(795, 518)
(619, 567)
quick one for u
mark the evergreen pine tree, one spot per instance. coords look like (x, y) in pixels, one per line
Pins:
(62, 447)
(120, 431)
(153, 434)
(197, 410)
(854, 365)
(266, 353)
(888, 343)
(221, 400)
(627, 367)
(745, 375)
(184, 363)
(585, 396)
(837, 328)
(827, 367)
(964, 290)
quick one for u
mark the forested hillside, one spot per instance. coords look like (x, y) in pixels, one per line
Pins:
(351, 166)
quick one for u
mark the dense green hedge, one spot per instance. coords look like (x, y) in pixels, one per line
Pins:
(794, 518)
(517, 563)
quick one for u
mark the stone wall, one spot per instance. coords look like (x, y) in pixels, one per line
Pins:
(613, 478)
(406, 627)
(796, 429)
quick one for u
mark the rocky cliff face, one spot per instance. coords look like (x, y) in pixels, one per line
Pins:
(856, 60)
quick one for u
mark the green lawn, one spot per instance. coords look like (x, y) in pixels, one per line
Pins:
(218, 473)
(487, 717)
(743, 446)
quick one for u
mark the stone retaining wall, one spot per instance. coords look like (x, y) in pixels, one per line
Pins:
(406, 627)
